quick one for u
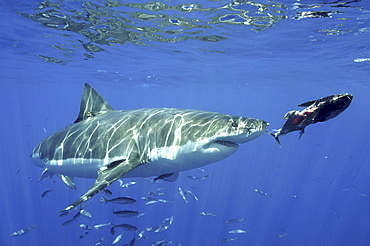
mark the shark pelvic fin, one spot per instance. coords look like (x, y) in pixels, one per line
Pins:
(106, 176)
(91, 104)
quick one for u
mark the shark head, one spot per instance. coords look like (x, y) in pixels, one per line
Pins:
(200, 138)
(226, 132)
(236, 129)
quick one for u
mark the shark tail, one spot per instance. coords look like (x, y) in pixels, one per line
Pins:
(276, 137)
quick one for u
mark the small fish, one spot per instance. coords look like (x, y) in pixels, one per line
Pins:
(261, 192)
(166, 223)
(85, 213)
(45, 193)
(182, 195)
(232, 221)
(225, 240)
(192, 177)
(125, 213)
(206, 177)
(118, 238)
(68, 222)
(157, 192)
(22, 231)
(126, 185)
(100, 242)
(363, 195)
(101, 225)
(112, 230)
(151, 228)
(140, 215)
(207, 214)
(161, 243)
(152, 193)
(126, 227)
(188, 192)
(151, 202)
(119, 200)
(84, 235)
(147, 198)
(164, 201)
(169, 219)
(282, 234)
(85, 227)
(238, 232)
(140, 235)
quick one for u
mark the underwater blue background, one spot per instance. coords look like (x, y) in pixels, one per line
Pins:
(256, 59)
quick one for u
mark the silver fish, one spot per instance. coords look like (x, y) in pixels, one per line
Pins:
(125, 213)
(182, 195)
(68, 222)
(232, 221)
(101, 225)
(22, 231)
(119, 200)
(85, 213)
(238, 232)
(207, 214)
(261, 192)
(126, 227)
(225, 240)
(118, 238)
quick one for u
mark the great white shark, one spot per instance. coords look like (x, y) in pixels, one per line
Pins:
(106, 144)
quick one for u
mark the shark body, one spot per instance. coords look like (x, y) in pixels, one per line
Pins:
(107, 144)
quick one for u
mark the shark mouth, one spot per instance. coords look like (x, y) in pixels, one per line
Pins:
(227, 143)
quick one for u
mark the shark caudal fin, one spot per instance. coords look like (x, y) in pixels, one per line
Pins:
(276, 137)
(91, 104)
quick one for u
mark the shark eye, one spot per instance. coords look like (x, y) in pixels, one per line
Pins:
(234, 124)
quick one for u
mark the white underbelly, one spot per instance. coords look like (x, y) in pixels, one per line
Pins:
(162, 161)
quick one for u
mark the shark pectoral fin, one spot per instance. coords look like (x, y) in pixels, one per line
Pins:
(68, 181)
(106, 176)
(44, 174)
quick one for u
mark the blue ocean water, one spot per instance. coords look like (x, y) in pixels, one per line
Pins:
(256, 59)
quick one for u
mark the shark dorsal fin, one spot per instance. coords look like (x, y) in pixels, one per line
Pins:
(91, 104)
